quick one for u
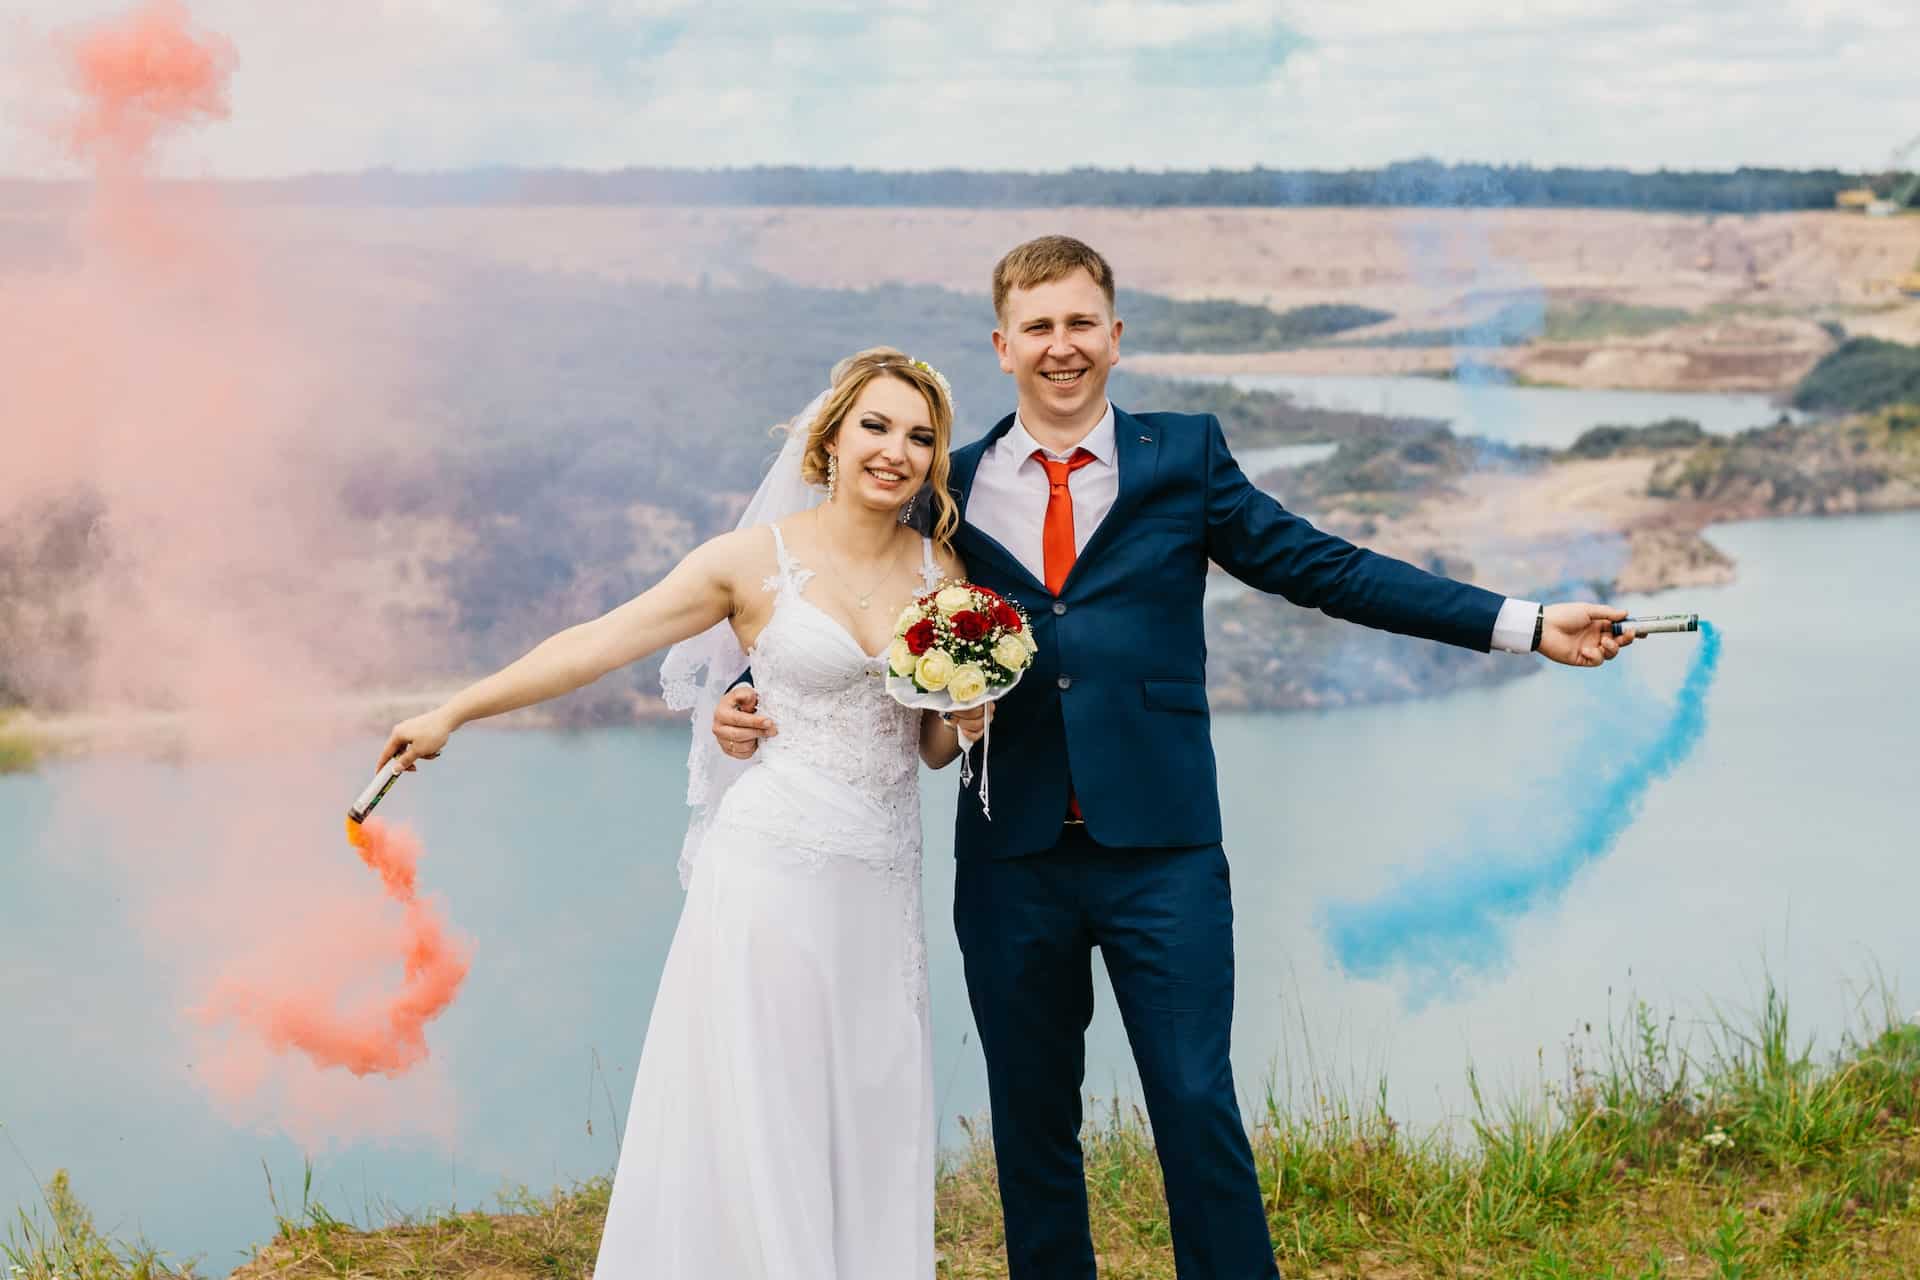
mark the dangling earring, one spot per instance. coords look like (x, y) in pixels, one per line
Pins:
(833, 474)
(906, 511)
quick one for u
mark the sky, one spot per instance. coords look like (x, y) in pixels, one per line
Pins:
(987, 84)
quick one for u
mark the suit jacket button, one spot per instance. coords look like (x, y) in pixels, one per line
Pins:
(1059, 607)
(1065, 682)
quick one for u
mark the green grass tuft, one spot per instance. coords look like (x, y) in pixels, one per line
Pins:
(1754, 1158)
(20, 752)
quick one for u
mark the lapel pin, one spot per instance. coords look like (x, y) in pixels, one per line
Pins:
(1146, 439)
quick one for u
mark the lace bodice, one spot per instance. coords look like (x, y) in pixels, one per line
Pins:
(839, 784)
(829, 699)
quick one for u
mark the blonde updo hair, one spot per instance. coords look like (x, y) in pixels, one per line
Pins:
(849, 378)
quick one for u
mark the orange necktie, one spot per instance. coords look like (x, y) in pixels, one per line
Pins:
(1056, 545)
(1056, 537)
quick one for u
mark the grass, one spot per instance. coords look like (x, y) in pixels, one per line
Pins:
(1591, 319)
(1519, 323)
(65, 1243)
(20, 752)
(1749, 1158)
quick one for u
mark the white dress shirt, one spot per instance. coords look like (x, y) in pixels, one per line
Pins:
(1008, 503)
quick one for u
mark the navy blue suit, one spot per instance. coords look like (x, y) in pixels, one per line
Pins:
(1114, 710)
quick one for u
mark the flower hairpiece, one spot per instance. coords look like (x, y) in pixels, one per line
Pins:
(946, 387)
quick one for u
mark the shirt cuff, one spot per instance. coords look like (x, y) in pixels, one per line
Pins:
(1513, 629)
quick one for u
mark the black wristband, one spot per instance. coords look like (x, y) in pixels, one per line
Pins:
(1539, 629)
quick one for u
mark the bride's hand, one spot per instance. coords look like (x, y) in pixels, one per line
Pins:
(420, 738)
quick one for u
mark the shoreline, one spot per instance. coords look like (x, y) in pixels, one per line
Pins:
(1630, 512)
(101, 731)
(1666, 548)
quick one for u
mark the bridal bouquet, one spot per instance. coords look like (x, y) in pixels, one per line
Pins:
(958, 646)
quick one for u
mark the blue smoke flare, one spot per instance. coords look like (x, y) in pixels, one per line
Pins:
(1450, 917)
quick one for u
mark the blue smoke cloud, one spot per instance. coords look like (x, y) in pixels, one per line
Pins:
(1450, 917)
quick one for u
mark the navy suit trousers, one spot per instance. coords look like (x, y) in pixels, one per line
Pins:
(1163, 920)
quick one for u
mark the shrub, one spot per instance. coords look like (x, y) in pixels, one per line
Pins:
(1861, 374)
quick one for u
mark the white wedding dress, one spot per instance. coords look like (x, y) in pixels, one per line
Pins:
(782, 1117)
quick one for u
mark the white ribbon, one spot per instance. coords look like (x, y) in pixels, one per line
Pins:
(966, 766)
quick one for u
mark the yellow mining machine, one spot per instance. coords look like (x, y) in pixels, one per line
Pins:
(1905, 188)
(1901, 186)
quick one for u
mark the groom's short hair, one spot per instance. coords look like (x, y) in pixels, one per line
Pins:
(1045, 260)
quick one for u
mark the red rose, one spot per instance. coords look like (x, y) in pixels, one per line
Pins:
(920, 637)
(969, 624)
(1006, 617)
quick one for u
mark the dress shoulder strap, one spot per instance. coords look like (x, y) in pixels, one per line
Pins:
(787, 574)
(929, 568)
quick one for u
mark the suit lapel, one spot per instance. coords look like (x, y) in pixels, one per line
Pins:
(974, 543)
(1136, 451)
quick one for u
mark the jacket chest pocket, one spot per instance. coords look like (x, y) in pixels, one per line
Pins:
(1175, 695)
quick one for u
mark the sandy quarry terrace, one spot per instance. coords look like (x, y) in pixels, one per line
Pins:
(1749, 353)
(1402, 260)
(1768, 278)
(1572, 519)
(1407, 261)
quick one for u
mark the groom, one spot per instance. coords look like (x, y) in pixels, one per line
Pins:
(1106, 819)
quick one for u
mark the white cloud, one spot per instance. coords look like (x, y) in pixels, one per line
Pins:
(429, 84)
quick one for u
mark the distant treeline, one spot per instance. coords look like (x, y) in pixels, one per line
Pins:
(1423, 183)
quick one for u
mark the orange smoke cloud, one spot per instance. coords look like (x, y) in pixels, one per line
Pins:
(385, 1039)
(144, 76)
(205, 398)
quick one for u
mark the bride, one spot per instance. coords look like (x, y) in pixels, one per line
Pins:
(782, 1117)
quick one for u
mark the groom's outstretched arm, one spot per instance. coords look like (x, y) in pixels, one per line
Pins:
(1260, 542)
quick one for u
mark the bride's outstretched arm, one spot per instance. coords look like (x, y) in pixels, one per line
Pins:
(696, 594)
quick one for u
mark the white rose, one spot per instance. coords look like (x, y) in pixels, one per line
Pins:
(933, 670)
(1027, 640)
(900, 659)
(967, 682)
(908, 616)
(952, 600)
(1011, 652)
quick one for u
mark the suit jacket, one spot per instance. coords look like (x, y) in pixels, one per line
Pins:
(1115, 703)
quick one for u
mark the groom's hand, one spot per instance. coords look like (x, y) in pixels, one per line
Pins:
(735, 726)
(1581, 635)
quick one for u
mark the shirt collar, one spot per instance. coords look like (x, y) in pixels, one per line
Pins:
(1020, 444)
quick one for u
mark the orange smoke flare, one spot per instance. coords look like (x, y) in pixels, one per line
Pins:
(386, 1039)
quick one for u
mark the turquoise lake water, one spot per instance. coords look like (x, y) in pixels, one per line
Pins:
(1516, 415)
